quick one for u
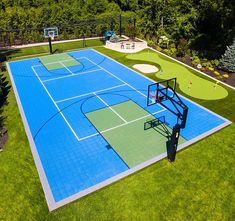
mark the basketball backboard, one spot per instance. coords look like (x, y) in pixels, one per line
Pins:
(51, 32)
(161, 91)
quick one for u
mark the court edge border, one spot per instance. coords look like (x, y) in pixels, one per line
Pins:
(52, 205)
(133, 170)
(42, 176)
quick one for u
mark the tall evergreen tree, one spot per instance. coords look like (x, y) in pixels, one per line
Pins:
(227, 62)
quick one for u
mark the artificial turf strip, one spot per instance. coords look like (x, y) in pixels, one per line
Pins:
(189, 83)
(198, 186)
(132, 143)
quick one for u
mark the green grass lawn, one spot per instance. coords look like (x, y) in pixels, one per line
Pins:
(61, 47)
(198, 186)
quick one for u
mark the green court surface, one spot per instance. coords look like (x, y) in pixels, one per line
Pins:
(189, 83)
(122, 125)
(57, 61)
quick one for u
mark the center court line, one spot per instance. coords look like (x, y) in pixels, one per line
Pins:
(56, 105)
(110, 107)
(120, 125)
(83, 95)
(71, 75)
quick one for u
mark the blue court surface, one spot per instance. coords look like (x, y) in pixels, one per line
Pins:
(77, 116)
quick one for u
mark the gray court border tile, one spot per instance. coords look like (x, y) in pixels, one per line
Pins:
(46, 188)
(52, 205)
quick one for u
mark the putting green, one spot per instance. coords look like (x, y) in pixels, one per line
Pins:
(189, 83)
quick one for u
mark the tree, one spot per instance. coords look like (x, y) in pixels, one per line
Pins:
(227, 62)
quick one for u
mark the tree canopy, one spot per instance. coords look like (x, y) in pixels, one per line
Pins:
(207, 25)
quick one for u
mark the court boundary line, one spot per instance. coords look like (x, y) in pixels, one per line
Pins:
(40, 170)
(132, 170)
(48, 93)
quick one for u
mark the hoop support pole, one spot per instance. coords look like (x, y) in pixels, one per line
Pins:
(50, 45)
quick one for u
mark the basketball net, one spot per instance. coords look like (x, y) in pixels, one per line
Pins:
(153, 96)
(51, 35)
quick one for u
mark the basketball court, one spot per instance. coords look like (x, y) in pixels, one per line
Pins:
(87, 121)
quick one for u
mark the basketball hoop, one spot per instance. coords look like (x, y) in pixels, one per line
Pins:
(51, 32)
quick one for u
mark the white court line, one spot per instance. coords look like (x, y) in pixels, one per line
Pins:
(55, 62)
(110, 108)
(121, 125)
(66, 68)
(56, 105)
(83, 95)
(66, 76)
(119, 79)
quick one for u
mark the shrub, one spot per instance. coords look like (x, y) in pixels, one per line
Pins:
(158, 48)
(195, 60)
(215, 62)
(151, 43)
(131, 31)
(182, 48)
(216, 73)
(173, 51)
(211, 68)
(167, 51)
(207, 64)
(225, 75)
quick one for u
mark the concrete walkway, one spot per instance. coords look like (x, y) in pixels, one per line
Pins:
(54, 42)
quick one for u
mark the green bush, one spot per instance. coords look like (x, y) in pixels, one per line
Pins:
(207, 64)
(215, 62)
(182, 48)
(211, 68)
(166, 51)
(173, 51)
(216, 73)
(151, 43)
(195, 60)
(158, 48)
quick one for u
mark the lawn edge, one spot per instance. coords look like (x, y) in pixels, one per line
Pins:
(42, 176)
